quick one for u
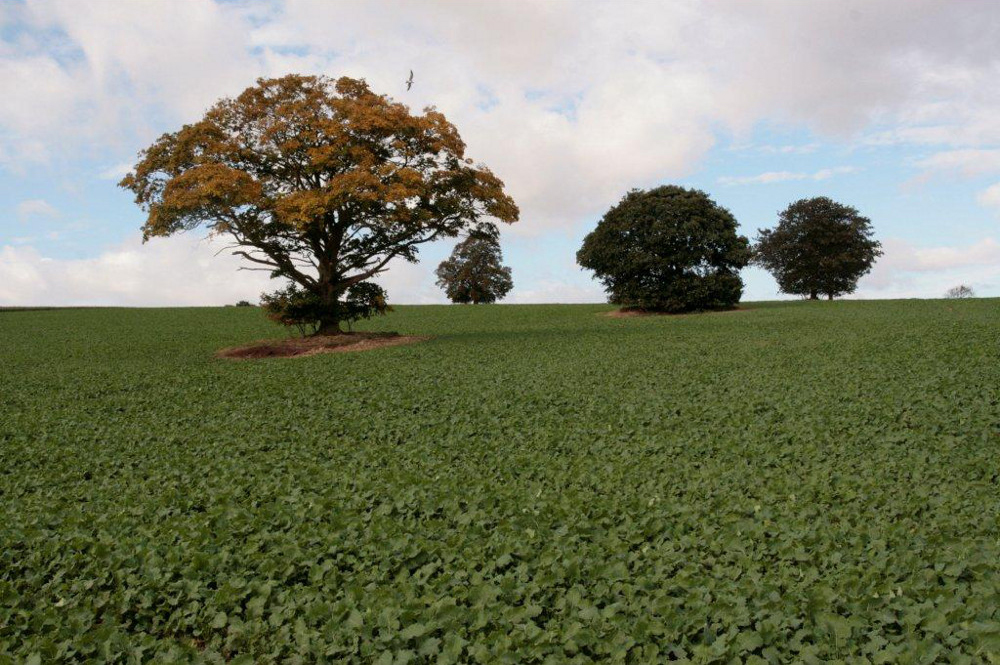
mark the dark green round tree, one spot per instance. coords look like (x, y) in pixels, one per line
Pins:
(474, 273)
(669, 249)
(818, 246)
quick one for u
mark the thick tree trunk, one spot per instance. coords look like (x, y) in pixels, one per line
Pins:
(329, 327)
(329, 322)
(813, 295)
(829, 296)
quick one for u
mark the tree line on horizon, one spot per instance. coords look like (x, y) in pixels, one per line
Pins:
(324, 182)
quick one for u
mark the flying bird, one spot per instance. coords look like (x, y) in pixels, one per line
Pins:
(409, 81)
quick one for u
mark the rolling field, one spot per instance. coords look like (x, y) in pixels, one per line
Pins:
(800, 482)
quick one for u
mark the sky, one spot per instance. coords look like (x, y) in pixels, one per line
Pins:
(891, 106)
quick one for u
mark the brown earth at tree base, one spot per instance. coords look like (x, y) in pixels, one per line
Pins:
(628, 313)
(308, 346)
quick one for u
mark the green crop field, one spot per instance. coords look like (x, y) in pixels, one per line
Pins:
(800, 482)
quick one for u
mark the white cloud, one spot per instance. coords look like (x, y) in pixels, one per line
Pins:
(116, 172)
(763, 178)
(102, 71)
(179, 271)
(969, 163)
(803, 149)
(35, 208)
(785, 176)
(176, 271)
(187, 270)
(410, 284)
(985, 252)
(558, 291)
(825, 174)
(571, 103)
(190, 270)
(908, 271)
(990, 197)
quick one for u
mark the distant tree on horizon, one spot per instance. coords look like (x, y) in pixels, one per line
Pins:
(320, 182)
(819, 246)
(668, 249)
(961, 291)
(474, 273)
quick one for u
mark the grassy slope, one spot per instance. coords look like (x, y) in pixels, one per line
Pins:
(804, 480)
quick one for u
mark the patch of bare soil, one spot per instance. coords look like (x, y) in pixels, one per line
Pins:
(629, 313)
(308, 346)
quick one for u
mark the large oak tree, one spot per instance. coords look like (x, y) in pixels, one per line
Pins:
(818, 246)
(669, 249)
(322, 182)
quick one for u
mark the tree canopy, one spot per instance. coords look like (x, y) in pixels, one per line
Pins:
(961, 291)
(818, 246)
(318, 181)
(667, 249)
(474, 273)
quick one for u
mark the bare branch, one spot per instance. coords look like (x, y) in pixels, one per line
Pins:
(248, 257)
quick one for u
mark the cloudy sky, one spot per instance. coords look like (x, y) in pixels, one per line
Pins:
(892, 106)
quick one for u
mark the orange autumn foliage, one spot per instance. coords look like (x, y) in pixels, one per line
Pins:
(320, 181)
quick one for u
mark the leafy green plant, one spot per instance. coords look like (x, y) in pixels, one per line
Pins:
(788, 483)
(296, 307)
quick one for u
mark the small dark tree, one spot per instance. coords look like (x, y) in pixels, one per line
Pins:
(961, 291)
(819, 246)
(244, 303)
(295, 306)
(474, 273)
(668, 249)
